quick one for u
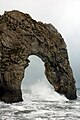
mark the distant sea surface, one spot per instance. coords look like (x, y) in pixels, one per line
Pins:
(41, 102)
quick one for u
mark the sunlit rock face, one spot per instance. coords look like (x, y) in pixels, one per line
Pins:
(20, 37)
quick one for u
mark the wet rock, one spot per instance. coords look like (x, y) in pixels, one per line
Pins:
(20, 37)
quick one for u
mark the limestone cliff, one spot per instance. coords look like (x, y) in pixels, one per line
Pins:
(20, 37)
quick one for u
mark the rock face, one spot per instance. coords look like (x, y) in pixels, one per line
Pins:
(20, 37)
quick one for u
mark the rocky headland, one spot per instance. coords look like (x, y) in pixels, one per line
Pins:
(20, 37)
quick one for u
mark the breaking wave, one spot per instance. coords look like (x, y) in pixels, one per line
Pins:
(42, 90)
(41, 102)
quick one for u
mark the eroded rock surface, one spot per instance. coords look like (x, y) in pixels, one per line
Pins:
(20, 37)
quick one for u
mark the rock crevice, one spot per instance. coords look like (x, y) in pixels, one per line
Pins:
(20, 37)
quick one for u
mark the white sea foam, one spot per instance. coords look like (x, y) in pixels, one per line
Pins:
(41, 102)
(45, 91)
(20, 108)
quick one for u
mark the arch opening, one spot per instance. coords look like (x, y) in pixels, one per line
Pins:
(34, 72)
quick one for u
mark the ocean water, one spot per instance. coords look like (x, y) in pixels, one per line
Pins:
(41, 102)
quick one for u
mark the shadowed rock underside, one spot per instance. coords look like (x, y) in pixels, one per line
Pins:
(20, 37)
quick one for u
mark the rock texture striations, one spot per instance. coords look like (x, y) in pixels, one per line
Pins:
(20, 37)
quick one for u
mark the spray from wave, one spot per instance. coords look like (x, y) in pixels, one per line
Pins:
(42, 90)
(41, 102)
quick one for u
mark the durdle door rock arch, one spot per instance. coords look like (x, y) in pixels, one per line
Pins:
(20, 37)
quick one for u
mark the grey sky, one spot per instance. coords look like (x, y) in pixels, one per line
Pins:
(35, 71)
(63, 14)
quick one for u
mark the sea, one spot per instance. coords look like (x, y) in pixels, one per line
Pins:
(41, 102)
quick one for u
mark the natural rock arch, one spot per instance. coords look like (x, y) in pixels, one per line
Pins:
(20, 37)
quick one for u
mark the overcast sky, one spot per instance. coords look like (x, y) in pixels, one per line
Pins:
(63, 14)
